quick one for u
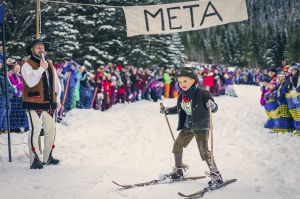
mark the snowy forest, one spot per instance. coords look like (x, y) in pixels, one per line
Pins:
(97, 35)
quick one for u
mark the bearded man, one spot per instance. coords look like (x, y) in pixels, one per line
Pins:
(41, 97)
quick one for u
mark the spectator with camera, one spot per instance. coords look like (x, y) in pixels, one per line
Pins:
(70, 66)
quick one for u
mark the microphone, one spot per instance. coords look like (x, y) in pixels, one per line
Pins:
(43, 56)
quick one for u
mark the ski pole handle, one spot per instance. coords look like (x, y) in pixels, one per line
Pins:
(162, 107)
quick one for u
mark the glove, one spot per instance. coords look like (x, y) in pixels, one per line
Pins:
(163, 110)
(211, 104)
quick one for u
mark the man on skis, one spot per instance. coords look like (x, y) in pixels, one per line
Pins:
(192, 107)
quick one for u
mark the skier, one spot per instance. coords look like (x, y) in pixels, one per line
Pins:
(192, 107)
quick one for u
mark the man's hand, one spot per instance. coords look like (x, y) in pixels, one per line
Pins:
(44, 64)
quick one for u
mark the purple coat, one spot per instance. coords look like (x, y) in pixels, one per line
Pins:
(17, 82)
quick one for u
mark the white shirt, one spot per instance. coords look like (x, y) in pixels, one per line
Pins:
(32, 77)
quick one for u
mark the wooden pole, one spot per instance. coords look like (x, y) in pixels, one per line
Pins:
(6, 81)
(65, 94)
(162, 106)
(38, 19)
(94, 97)
(211, 135)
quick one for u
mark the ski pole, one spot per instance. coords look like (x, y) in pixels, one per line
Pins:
(65, 94)
(211, 135)
(94, 97)
(162, 106)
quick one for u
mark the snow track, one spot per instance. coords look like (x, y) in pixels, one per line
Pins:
(132, 143)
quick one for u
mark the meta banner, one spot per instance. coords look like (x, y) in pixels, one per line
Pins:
(180, 17)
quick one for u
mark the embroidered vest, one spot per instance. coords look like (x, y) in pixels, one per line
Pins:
(42, 95)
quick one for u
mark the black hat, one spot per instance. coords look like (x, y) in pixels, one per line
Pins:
(188, 72)
(273, 69)
(34, 42)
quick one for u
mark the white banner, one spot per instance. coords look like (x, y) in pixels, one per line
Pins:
(179, 17)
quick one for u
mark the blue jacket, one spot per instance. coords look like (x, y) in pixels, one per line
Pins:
(80, 77)
(73, 78)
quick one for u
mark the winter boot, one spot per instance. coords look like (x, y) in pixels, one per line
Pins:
(216, 178)
(52, 161)
(177, 174)
(37, 164)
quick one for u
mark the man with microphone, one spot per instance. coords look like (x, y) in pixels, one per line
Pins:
(41, 96)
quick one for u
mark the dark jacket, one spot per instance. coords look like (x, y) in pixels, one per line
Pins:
(200, 113)
(10, 88)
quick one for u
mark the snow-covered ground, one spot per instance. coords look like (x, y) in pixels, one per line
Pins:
(132, 143)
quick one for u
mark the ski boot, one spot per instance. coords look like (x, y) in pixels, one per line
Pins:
(176, 175)
(216, 178)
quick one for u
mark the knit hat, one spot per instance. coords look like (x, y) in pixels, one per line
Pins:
(281, 73)
(119, 67)
(278, 69)
(58, 66)
(286, 68)
(188, 72)
(296, 67)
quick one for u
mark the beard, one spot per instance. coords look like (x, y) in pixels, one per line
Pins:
(38, 54)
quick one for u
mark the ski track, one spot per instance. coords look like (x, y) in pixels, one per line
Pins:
(132, 143)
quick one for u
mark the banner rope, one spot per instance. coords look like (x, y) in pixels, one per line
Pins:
(81, 4)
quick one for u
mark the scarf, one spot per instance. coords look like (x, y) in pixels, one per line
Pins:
(188, 95)
(35, 58)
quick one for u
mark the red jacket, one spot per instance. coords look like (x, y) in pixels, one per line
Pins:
(121, 90)
(106, 86)
(208, 80)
